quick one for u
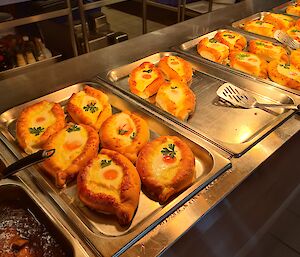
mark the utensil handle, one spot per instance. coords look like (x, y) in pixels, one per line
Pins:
(285, 106)
(26, 162)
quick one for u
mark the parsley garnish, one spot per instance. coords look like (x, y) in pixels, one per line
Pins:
(147, 71)
(174, 87)
(259, 22)
(90, 107)
(122, 131)
(73, 128)
(212, 40)
(105, 163)
(260, 43)
(242, 56)
(295, 30)
(36, 131)
(229, 36)
(286, 66)
(133, 135)
(170, 151)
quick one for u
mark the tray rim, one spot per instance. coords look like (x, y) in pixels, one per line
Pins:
(221, 164)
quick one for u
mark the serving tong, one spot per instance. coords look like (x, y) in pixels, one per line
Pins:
(242, 98)
(25, 162)
(285, 39)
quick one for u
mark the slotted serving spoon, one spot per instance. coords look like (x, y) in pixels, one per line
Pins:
(285, 39)
(242, 98)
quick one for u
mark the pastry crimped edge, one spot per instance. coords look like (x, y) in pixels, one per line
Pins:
(202, 46)
(152, 88)
(185, 174)
(75, 111)
(89, 151)
(240, 43)
(129, 191)
(22, 125)
(163, 101)
(263, 65)
(279, 78)
(130, 151)
(172, 74)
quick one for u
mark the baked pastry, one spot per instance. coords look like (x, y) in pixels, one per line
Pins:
(174, 67)
(75, 145)
(284, 74)
(37, 123)
(110, 184)
(213, 50)
(260, 27)
(295, 59)
(280, 21)
(176, 98)
(145, 80)
(294, 32)
(249, 63)
(125, 133)
(293, 10)
(268, 50)
(89, 106)
(232, 39)
(166, 166)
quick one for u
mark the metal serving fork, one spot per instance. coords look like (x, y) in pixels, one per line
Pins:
(285, 39)
(242, 98)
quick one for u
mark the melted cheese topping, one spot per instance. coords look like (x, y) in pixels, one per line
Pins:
(262, 24)
(294, 32)
(218, 46)
(142, 83)
(164, 171)
(289, 72)
(284, 18)
(64, 155)
(42, 117)
(176, 64)
(248, 58)
(96, 181)
(123, 120)
(293, 9)
(230, 37)
(84, 101)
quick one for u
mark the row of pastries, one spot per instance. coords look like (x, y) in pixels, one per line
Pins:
(108, 180)
(260, 58)
(167, 85)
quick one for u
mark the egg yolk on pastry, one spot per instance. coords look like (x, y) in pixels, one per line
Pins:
(126, 129)
(176, 64)
(145, 77)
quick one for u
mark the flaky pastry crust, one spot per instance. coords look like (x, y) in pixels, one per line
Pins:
(260, 27)
(53, 165)
(125, 133)
(182, 174)
(78, 113)
(280, 21)
(232, 39)
(123, 206)
(26, 140)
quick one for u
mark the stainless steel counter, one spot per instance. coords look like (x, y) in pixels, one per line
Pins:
(29, 86)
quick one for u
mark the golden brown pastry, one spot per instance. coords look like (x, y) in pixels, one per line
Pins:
(125, 133)
(280, 21)
(166, 166)
(295, 59)
(37, 123)
(75, 145)
(249, 63)
(89, 106)
(232, 39)
(261, 28)
(145, 80)
(110, 184)
(294, 32)
(293, 10)
(284, 74)
(174, 67)
(176, 98)
(213, 50)
(268, 50)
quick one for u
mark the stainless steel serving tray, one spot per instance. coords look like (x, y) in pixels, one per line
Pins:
(234, 129)
(190, 48)
(102, 230)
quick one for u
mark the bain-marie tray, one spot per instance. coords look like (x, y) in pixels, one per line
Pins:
(103, 231)
(234, 129)
(190, 48)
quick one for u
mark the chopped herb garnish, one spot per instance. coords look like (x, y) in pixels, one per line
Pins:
(36, 131)
(295, 30)
(91, 107)
(147, 71)
(105, 163)
(133, 135)
(260, 43)
(259, 22)
(174, 87)
(73, 128)
(170, 151)
(229, 36)
(286, 66)
(212, 40)
(122, 131)
(242, 56)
